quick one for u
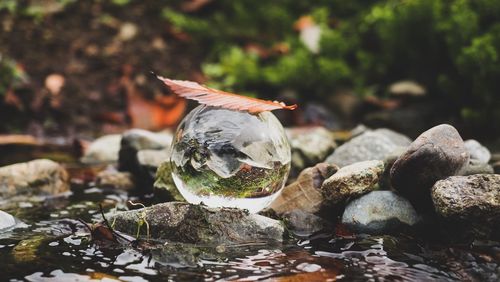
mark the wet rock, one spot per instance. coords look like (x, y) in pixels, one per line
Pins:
(477, 151)
(141, 152)
(370, 145)
(379, 212)
(6, 220)
(305, 193)
(352, 181)
(188, 223)
(469, 205)
(436, 154)
(115, 179)
(474, 198)
(164, 186)
(476, 167)
(38, 177)
(103, 150)
(303, 223)
(310, 145)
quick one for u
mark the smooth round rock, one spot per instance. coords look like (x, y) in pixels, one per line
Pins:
(379, 212)
(34, 178)
(103, 150)
(436, 154)
(476, 167)
(477, 151)
(6, 220)
(370, 145)
(352, 181)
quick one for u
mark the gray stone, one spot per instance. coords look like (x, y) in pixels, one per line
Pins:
(37, 177)
(477, 151)
(152, 158)
(115, 179)
(476, 167)
(474, 198)
(352, 181)
(379, 212)
(370, 145)
(103, 150)
(198, 224)
(141, 139)
(310, 145)
(6, 220)
(141, 153)
(436, 154)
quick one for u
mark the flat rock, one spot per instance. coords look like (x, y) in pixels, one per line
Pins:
(378, 212)
(197, 224)
(469, 205)
(6, 220)
(310, 145)
(477, 151)
(352, 181)
(370, 145)
(37, 177)
(436, 154)
(103, 150)
(305, 192)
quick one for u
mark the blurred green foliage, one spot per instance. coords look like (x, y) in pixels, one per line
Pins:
(452, 47)
(11, 75)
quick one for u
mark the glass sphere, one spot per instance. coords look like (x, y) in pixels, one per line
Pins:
(227, 158)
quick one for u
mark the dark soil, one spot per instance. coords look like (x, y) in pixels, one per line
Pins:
(82, 43)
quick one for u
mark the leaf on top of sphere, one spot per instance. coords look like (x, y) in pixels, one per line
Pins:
(213, 97)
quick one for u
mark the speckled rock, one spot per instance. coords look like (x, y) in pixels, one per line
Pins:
(197, 224)
(370, 145)
(103, 150)
(309, 145)
(304, 193)
(6, 220)
(436, 154)
(469, 198)
(378, 212)
(38, 177)
(352, 181)
(477, 151)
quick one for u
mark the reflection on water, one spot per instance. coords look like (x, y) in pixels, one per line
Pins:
(52, 246)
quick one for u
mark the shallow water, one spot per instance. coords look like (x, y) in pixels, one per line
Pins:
(51, 245)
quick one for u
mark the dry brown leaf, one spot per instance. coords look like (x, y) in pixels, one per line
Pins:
(15, 139)
(212, 97)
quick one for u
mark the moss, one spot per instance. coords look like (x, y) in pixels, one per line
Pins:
(252, 182)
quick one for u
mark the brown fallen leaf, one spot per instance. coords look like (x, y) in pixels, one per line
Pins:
(17, 139)
(212, 97)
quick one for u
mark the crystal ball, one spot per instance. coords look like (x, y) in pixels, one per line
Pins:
(227, 158)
